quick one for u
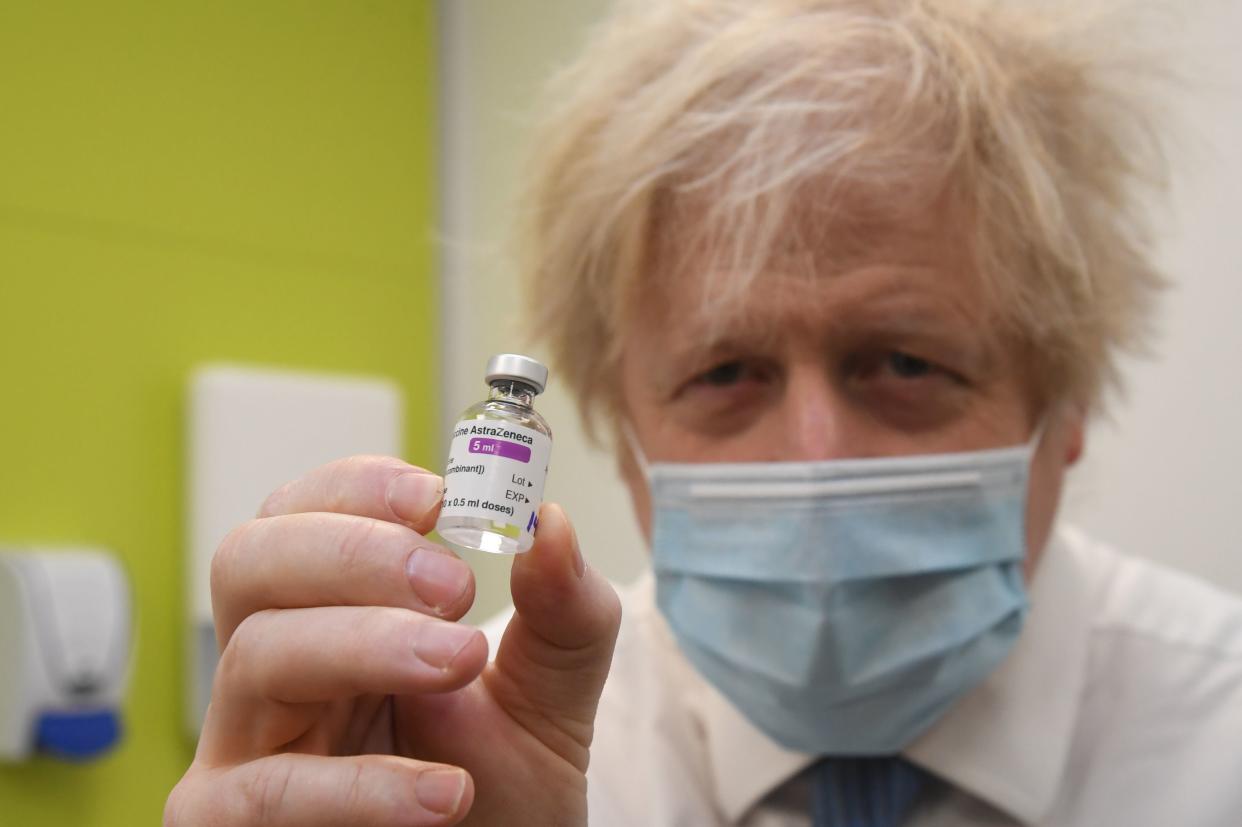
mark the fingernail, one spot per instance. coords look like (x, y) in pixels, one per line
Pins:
(579, 563)
(436, 643)
(411, 496)
(576, 557)
(438, 578)
(440, 790)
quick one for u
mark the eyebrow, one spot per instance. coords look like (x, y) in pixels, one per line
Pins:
(890, 310)
(670, 371)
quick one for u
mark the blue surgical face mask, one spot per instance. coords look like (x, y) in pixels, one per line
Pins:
(843, 605)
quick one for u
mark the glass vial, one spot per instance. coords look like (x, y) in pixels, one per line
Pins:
(498, 461)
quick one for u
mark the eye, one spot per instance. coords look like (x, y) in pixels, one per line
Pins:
(907, 390)
(893, 366)
(733, 382)
(723, 375)
(724, 396)
(906, 366)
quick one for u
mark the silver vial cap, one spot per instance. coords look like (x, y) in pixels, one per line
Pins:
(515, 366)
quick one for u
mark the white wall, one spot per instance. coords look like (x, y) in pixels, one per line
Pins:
(1159, 481)
(1165, 479)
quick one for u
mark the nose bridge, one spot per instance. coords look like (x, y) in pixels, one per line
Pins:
(814, 415)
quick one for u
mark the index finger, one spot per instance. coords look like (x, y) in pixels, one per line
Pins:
(383, 488)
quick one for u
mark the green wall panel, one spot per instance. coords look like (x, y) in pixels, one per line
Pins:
(180, 183)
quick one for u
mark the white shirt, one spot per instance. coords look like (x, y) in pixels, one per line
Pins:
(1121, 704)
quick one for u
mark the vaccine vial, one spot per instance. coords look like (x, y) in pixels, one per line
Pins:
(498, 461)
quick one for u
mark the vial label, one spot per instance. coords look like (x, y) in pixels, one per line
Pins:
(496, 471)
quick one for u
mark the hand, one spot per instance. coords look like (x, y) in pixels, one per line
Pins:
(347, 694)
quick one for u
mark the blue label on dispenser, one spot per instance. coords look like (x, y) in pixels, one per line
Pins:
(79, 735)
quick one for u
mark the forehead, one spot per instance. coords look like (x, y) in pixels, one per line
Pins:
(828, 262)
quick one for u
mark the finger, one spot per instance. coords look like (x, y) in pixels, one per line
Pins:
(556, 651)
(322, 559)
(295, 790)
(384, 488)
(280, 665)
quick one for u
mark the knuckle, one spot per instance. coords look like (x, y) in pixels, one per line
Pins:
(224, 560)
(176, 806)
(379, 463)
(369, 470)
(388, 786)
(239, 662)
(338, 481)
(384, 634)
(264, 790)
(354, 794)
(356, 545)
(271, 504)
(383, 623)
(346, 475)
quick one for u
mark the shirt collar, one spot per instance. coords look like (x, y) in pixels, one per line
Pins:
(744, 763)
(1005, 742)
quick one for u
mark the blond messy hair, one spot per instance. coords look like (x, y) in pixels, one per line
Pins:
(1021, 115)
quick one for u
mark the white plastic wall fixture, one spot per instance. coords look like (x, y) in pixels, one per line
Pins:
(251, 430)
(65, 644)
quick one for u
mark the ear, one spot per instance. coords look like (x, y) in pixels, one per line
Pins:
(1074, 427)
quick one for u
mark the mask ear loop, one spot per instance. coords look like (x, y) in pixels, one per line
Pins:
(1037, 435)
(636, 450)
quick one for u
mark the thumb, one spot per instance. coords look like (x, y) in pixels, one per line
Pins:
(555, 654)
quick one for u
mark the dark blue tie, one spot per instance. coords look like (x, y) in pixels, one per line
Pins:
(864, 792)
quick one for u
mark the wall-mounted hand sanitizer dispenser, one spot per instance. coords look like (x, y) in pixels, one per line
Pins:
(250, 431)
(65, 623)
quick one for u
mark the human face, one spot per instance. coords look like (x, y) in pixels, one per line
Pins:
(889, 350)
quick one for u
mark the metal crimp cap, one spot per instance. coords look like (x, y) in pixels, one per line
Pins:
(519, 367)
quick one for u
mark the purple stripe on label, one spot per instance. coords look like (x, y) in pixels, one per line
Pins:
(500, 448)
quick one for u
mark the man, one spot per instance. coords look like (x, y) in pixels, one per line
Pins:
(845, 279)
